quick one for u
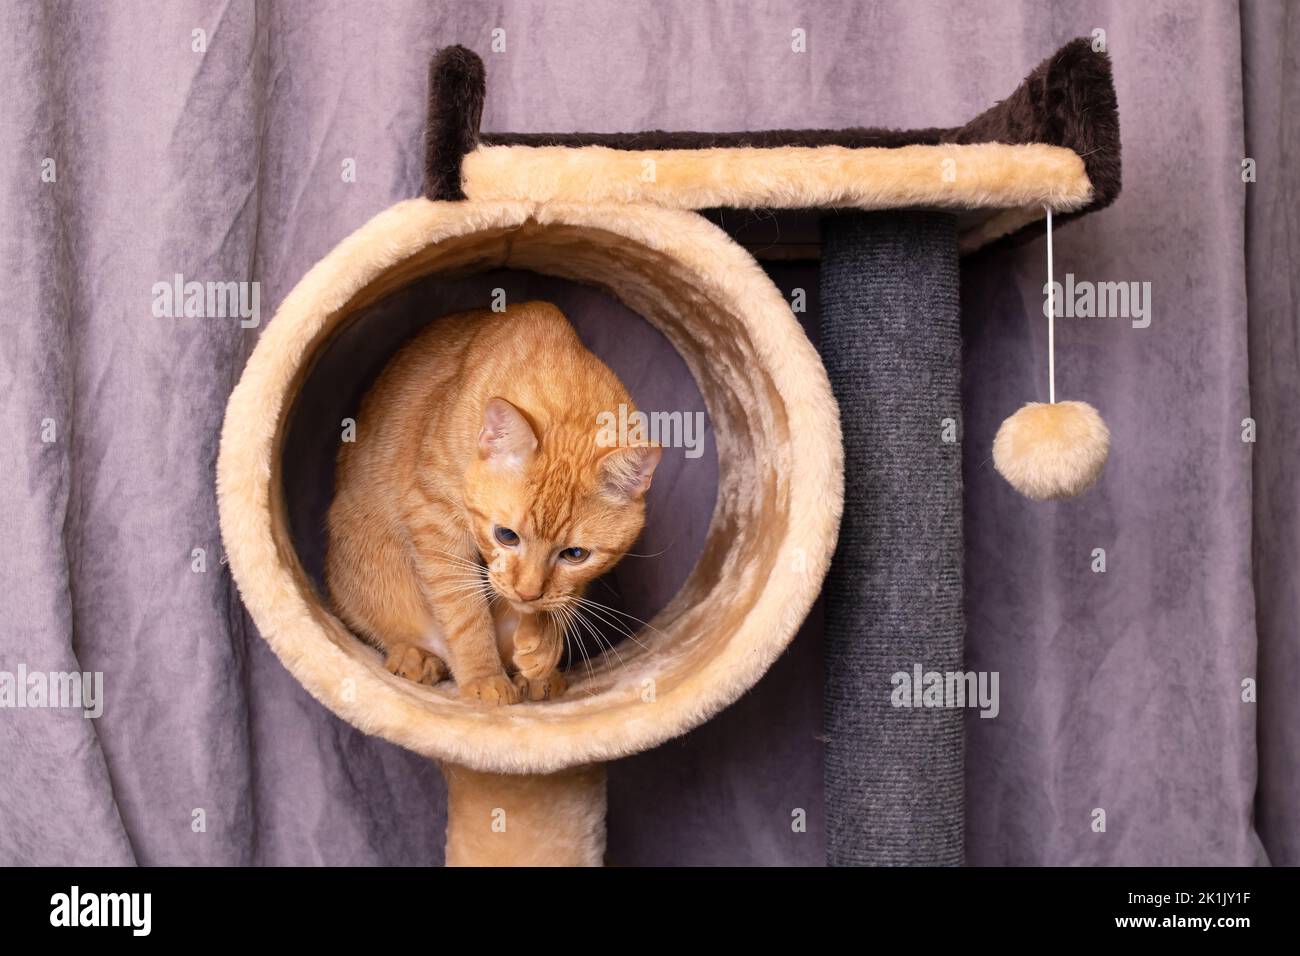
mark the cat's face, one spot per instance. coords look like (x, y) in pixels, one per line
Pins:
(548, 520)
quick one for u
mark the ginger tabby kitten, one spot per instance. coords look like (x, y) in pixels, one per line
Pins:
(476, 504)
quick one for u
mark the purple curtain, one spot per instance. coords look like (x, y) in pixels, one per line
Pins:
(133, 148)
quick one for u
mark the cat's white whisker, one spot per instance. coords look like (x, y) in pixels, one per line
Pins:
(633, 554)
(582, 649)
(459, 562)
(623, 629)
(601, 640)
(566, 615)
(455, 592)
(594, 632)
(597, 606)
(606, 607)
(467, 589)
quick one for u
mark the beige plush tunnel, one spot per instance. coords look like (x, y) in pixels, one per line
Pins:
(773, 529)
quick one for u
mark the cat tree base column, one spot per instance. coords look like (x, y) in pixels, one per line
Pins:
(553, 819)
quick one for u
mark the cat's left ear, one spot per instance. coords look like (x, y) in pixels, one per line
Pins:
(626, 472)
(506, 439)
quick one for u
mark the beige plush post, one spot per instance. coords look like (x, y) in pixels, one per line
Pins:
(555, 819)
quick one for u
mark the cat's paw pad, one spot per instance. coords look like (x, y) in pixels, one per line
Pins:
(549, 687)
(494, 690)
(415, 664)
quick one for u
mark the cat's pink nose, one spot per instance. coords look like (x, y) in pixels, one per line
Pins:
(527, 597)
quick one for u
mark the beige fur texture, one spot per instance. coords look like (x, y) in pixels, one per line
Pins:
(1050, 452)
(528, 820)
(769, 542)
(1010, 185)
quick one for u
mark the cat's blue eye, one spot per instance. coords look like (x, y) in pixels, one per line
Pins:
(575, 555)
(506, 536)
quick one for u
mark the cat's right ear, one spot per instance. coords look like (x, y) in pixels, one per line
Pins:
(626, 472)
(506, 439)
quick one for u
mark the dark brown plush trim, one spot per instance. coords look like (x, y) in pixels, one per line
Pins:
(1068, 100)
(852, 138)
(457, 87)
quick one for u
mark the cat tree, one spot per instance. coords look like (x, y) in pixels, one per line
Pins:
(618, 211)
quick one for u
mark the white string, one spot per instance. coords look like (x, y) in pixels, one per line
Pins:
(1051, 316)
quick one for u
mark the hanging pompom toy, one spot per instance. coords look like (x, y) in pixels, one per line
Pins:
(1052, 451)
(1049, 451)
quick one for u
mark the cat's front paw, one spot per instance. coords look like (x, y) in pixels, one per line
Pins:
(549, 687)
(537, 650)
(493, 690)
(415, 664)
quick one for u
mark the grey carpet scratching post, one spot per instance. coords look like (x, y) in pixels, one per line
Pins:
(891, 342)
